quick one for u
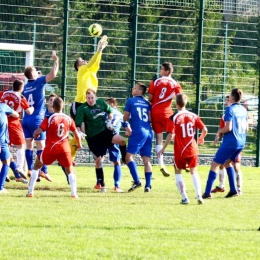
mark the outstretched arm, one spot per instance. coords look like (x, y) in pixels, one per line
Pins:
(54, 71)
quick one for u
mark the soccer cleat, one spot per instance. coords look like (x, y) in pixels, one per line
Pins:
(7, 179)
(218, 189)
(29, 173)
(97, 186)
(206, 196)
(21, 172)
(185, 201)
(46, 176)
(200, 200)
(21, 180)
(38, 179)
(3, 191)
(239, 192)
(147, 189)
(74, 196)
(164, 172)
(231, 194)
(135, 186)
(103, 190)
(29, 195)
(118, 190)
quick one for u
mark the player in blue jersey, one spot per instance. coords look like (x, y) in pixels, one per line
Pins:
(138, 112)
(4, 142)
(34, 91)
(234, 139)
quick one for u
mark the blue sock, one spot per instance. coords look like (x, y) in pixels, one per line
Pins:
(148, 179)
(29, 159)
(211, 178)
(133, 170)
(13, 166)
(3, 174)
(117, 175)
(231, 178)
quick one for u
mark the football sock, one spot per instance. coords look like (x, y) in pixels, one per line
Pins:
(34, 176)
(148, 179)
(222, 175)
(160, 159)
(13, 167)
(29, 159)
(20, 156)
(231, 178)
(100, 176)
(3, 174)
(133, 170)
(123, 152)
(117, 175)
(196, 183)
(211, 178)
(73, 183)
(239, 180)
(180, 185)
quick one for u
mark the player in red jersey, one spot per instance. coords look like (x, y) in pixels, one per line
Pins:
(57, 146)
(15, 100)
(181, 128)
(222, 170)
(161, 93)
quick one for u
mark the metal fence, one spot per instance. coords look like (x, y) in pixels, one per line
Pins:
(214, 46)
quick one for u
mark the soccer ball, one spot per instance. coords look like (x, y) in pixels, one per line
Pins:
(95, 29)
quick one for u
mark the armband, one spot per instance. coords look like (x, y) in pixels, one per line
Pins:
(125, 124)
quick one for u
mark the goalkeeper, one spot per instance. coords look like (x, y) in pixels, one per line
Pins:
(86, 78)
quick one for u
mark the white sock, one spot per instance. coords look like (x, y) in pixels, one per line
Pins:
(160, 159)
(239, 180)
(181, 185)
(20, 155)
(222, 176)
(34, 176)
(73, 183)
(196, 183)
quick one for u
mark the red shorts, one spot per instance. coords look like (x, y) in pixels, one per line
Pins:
(159, 120)
(16, 134)
(183, 163)
(63, 156)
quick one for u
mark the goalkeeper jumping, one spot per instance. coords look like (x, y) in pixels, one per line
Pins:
(86, 78)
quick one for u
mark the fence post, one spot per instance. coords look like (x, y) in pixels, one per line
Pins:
(65, 43)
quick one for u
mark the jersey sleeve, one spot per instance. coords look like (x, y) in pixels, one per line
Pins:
(151, 87)
(178, 89)
(128, 106)
(170, 128)
(24, 103)
(72, 126)
(44, 124)
(79, 116)
(228, 114)
(199, 123)
(94, 62)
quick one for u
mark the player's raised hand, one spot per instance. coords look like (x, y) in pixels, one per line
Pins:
(102, 43)
(54, 56)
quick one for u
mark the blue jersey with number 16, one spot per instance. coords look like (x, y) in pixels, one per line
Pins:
(34, 92)
(237, 115)
(139, 109)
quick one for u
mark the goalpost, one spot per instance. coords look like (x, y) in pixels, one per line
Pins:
(27, 48)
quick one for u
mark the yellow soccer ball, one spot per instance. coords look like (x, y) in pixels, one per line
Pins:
(95, 30)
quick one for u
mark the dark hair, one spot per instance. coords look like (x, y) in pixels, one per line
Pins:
(28, 72)
(57, 103)
(168, 66)
(111, 101)
(227, 96)
(142, 87)
(52, 95)
(237, 94)
(181, 100)
(76, 63)
(18, 85)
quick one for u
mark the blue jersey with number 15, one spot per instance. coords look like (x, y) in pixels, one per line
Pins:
(34, 92)
(237, 115)
(139, 109)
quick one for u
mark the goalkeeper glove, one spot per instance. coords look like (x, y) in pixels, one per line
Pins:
(102, 43)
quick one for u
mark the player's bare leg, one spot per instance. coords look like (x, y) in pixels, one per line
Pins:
(159, 142)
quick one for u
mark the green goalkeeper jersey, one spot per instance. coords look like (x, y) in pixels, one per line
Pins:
(93, 117)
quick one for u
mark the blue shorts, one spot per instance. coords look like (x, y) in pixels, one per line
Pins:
(141, 143)
(4, 152)
(114, 153)
(224, 153)
(30, 124)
